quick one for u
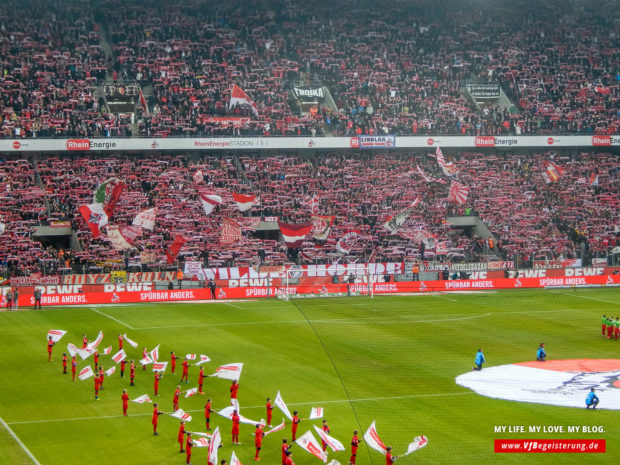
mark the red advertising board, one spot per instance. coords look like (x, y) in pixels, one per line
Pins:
(117, 294)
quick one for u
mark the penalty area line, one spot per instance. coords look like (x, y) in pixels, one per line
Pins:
(19, 441)
(112, 318)
(253, 407)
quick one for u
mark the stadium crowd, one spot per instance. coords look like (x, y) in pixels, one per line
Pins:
(395, 68)
(570, 218)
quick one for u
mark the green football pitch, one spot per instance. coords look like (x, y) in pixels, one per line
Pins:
(390, 359)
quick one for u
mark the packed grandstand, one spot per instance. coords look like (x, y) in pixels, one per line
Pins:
(153, 70)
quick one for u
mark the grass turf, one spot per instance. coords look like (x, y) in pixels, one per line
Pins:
(389, 359)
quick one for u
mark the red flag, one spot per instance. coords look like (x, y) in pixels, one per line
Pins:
(314, 204)
(239, 97)
(552, 172)
(197, 177)
(594, 179)
(348, 240)
(244, 202)
(174, 249)
(95, 216)
(231, 231)
(116, 194)
(209, 201)
(294, 234)
(458, 193)
(321, 225)
(448, 168)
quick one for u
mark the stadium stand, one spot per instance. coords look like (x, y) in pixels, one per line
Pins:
(396, 68)
(387, 73)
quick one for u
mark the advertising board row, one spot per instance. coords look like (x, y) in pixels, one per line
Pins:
(144, 292)
(388, 141)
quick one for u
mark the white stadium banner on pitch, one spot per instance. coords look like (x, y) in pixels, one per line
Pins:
(333, 443)
(160, 367)
(228, 413)
(110, 371)
(142, 399)
(154, 354)
(278, 402)
(93, 345)
(234, 460)
(214, 445)
(309, 443)
(565, 383)
(133, 344)
(231, 371)
(107, 350)
(275, 428)
(72, 349)
(418, 443)
(55, 334)
(316, 412)
(86, 373)
(373, 440)
(203, 359)
(181, 415)
(200, 442)
(119, 356)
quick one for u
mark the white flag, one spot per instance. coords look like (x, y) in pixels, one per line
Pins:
(191, 392)
(373, 440)
(309, 443)
(119, 356)
(154, 354)
(146, 219)
(234, 460)
(55, 334)
(214, 445)
(327, 439)
(190, 356)
(160, 366)
(146, 360)
(316, 413)
(181, 415)
(107, 350)
(200, 442)
(93, 345)
(334, 462)
(197, 433)
(86, 373)
(84, 353)
(203, 359)
(110, 371)
(142, 399)
(231, 371)
(228, 413)
(130, 342)
(418, 443)
(278, 402)
(275, 428)
(72, 349)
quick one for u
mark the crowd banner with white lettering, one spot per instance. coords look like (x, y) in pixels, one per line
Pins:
(248, 276)
(537, 279)
(302, 143)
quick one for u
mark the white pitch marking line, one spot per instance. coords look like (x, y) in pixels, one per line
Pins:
(590, 298)
(19, 441)
(236, 306)
(112, 318)
(338, 401)
(343, 321)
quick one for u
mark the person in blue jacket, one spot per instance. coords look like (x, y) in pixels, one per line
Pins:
(592, 399)
(541, 355)
(479, 360)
